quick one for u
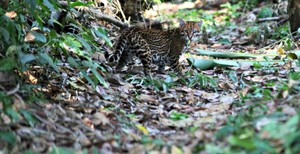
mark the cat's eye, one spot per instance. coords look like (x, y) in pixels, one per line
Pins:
(195, 31)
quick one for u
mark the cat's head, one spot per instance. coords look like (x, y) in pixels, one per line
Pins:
(191, 28)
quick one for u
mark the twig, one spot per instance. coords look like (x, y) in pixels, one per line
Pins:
(270, 19)
(244, 9)
(118, 5)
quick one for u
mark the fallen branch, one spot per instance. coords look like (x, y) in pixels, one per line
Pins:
(99, 15)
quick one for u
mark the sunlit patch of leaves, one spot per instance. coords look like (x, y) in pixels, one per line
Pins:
(233, 10)
(178, 116)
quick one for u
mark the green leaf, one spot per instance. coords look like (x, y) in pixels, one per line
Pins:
(7, 63)
(72, 45)
(84, 43)
(85, 75)
(251, 30)
(101, 32)
(246, 143)
(157, 1)
(204, 64)
(74, 4)
(62, 150)
(224, 131)
(294, 54)
(28, 116)
(224, 41)
(225, 63)
(265, 12)
(5, 35)
(14, 115)
(39, 37)
(13, 49)
(232, 75)
(8, 137)
(25, 58)
(49, 5)
(225, 55)
(178, 116)
(100, 78)
(73, 62)
(32, 4)
(48, 59)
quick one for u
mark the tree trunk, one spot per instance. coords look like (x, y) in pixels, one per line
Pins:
(4, 4)
(294, 15)
(133, 9)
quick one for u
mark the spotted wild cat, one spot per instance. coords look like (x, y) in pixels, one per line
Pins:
(154, 46)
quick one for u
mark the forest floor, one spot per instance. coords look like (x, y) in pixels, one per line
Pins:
(235, 105)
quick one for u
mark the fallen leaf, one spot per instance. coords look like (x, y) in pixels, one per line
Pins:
(176, 150)
(147, 98)
(100, 119)
(142, 129)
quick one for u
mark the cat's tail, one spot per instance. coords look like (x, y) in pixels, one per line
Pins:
(118, 50)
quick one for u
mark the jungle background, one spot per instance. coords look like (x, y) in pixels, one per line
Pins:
(240, 92)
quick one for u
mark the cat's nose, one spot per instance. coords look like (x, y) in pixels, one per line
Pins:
(195, 31)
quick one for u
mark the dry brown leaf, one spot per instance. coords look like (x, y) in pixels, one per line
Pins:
(137, 149)
(11, 14)
(227, 99)
(288, 110)
(115, 79)
(147, 98)
(204, 120)
(210, 96)
(88, 122)
(29, 37)
(257, 79)
(179, 123)
(100, 119)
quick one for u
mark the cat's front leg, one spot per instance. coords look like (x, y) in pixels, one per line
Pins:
(176, 66)
(161, 66)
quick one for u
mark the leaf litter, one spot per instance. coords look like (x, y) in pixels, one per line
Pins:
(163, 115)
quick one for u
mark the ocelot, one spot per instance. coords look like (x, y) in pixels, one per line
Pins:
(160, 47)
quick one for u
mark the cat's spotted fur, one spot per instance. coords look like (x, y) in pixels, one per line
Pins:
(154, 46)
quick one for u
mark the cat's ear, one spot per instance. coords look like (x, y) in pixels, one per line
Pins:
(182, 22)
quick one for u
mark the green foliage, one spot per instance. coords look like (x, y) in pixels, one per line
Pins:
(160, 84)
(149, 140)
(202, 81)
(9, 137)
(247, 3)
(265, 12)
(255, 130)
(19, 55)
(61, 150)
(281, 32)
(233, 10)
(244, 138)
(8, 109)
